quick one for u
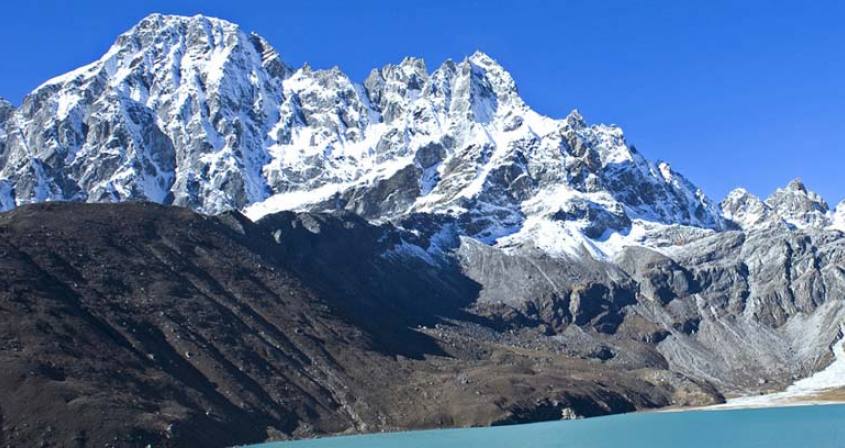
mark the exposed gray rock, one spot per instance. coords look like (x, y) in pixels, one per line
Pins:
(597, 220)
(752, 294)
(533, 289)
(659, 277)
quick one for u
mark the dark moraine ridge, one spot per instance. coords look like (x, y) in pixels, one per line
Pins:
(134, 324)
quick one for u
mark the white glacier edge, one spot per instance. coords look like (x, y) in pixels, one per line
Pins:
(802, 392)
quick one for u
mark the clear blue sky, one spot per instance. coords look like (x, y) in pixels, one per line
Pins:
(732, 94)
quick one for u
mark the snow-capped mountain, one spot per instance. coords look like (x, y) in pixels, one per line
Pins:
(177, 111)
(518, 228)
(798, 206)
(793, 206)
(747, 210)
(194, 111)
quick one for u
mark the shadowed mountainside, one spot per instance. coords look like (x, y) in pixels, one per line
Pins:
(134, 324)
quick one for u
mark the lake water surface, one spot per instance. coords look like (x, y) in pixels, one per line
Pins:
(791, 427)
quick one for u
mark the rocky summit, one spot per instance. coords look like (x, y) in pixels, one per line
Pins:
(196, 112)
(419, 249)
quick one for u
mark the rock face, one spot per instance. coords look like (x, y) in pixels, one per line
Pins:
(770, 298)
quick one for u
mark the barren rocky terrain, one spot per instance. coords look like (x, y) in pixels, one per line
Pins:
(135, 324)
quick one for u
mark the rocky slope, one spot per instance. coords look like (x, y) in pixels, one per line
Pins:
(138, 325)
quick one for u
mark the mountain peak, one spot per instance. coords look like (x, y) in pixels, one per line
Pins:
(391, 88)
(746, 209)
(490, 70)
(414, 63)
(162, 29)
(155, 20)
(575, 120)
(797, 185)
(173, 91)
(193, 111)
(481, 58)
(799, 206)
(740, 192)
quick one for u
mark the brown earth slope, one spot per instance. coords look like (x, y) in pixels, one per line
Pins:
(135, 324)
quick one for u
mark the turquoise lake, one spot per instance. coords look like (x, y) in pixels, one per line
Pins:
(792, 427)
